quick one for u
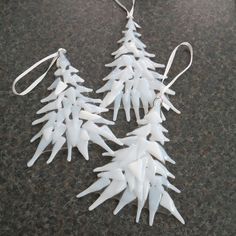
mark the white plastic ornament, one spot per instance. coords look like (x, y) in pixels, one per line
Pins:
(139, 169)
(69, 116)
(134, 78)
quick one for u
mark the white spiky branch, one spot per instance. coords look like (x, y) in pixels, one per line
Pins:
(134, 78)
(70, 117)
(138, 170)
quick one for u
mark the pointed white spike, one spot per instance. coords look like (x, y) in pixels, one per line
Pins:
(107, 167)
(166, 103)
(38, 135)
(145, 103)
(135, 98)
(96, 186)
(161, 169)
(82, 144)
(126, 103)
(93, 108)
(49, 98)
(154, 149)
(167, 202)
(54, 84)
(111, 136)
(43, 118)
(126, 198)
(117, 106)
(165, 155)
(57, 146)
(174, 188)
(50, 106)
(99, 141)
(105, 87)
(139, 210)
(154, 201)
(73, 69)
(85, 115)
(142, 131)
(114, 188)
(42, 145)
(69, 154)
(105, 121)
(60, 87)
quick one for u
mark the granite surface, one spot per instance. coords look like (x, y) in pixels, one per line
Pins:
(41, 200)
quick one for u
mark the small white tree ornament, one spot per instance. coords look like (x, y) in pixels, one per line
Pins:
(138, 170)
(134, 77)
(70, 117)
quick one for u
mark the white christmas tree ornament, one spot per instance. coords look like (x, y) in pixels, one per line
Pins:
(138, 171)
(69, 116)
(134, 79)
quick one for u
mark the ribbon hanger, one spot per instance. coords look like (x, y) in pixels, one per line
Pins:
(170, 61)
(129, 13)
(55, 56)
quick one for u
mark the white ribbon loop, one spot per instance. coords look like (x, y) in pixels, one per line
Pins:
(170, 61)
(129, 13)
(40, 78)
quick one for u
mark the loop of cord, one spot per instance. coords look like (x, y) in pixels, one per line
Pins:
(40, 78)
(129, 13)
(170, 61)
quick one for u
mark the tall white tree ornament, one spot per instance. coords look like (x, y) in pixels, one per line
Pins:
(138, 171)
(69, 116)
(134, 79)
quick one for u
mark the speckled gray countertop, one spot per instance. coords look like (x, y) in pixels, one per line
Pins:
(41, 200)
